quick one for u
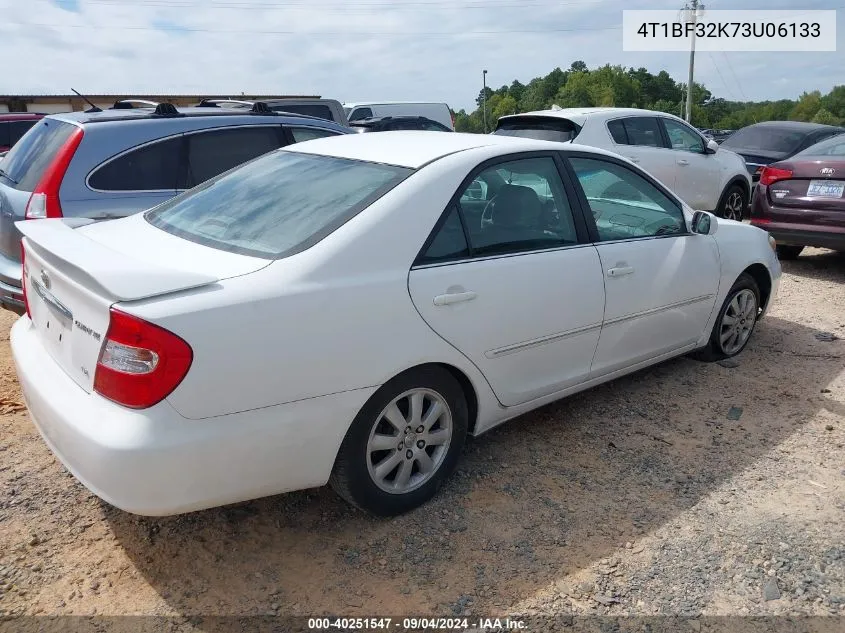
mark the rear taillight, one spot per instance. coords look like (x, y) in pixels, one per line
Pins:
(771, 175)
(24, 275)
(44, 201)
(140, 363)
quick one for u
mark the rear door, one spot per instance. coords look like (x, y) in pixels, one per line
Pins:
(644, 144)
(518, 290)
(698, 174)
(209, 153)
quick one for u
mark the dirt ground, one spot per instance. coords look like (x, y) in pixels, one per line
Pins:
(644, 496)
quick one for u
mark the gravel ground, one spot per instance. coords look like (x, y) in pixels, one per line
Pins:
(685, 489)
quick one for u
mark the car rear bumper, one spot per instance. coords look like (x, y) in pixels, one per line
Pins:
(156, 462)
(804, 235)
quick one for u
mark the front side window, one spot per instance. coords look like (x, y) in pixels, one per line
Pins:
(361, 113)
(301, 134)
(212, 153)
(682, 138)
(153, 167)
(277, 205)
(643, 130)
(624, 204)
(512, 207)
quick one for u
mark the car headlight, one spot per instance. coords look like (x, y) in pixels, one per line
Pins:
(773, 243)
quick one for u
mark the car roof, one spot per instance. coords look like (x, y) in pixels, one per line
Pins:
(579, 115)
(139, 114)
(21, 116)
(801, 126)
(398, 117)
(372, 103)
(414, 149)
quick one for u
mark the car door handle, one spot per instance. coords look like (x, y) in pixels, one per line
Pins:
(620, 271)
(683, 161)
(457, 297)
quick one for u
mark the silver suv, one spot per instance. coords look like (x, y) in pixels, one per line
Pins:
(109, 164)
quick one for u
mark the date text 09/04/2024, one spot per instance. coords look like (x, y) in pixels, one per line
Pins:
(416, 624)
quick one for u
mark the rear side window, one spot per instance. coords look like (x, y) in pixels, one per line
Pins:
(617, 131)
(4, 134)
(301, 134)
(540, 128)
(643, 130)
(27, 161)
(212, 153)
(309, 109)
(278, 205)
(361, 113)
(153, 167)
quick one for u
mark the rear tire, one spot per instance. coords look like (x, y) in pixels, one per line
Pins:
(403, 444)
(733, 204)
(788, 251)
(735, 323)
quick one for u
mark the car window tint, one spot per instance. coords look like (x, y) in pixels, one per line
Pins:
(361, 113)
(642, 130)
(528, 208)
(829, 147)
(617, 131)
(682, 138)
(4, 134)
(152, 167)
(301, 134)
(767, 138)
(433, 126)
(278, 205)
(449, 243)
(18, 128)
(212, 153)
(624, 204)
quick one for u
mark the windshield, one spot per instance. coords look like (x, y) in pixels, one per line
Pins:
(541, 129)
(834, 146)
(277, 205)
(766, 139)
(27, 161)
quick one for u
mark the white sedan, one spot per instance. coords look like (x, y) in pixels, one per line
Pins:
(347, 310)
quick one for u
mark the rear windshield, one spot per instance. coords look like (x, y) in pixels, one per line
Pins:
(766, 139)
(539, 128)
(834, 146)
(27, 161)
(277, 205)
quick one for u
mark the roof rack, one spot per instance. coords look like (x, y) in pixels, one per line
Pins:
(215, 103)
(166, 109)
(128, 104)
(259, 107)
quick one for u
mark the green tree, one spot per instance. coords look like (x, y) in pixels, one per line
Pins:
(834, 102)
(826, 117)
(505, 105)
(808, 105)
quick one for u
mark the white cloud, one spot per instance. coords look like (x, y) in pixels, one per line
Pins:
(353, 50)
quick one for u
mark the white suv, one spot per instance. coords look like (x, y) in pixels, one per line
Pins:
(705, 176)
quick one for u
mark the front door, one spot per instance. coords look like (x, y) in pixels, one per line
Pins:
(660, 279)
(510, 279)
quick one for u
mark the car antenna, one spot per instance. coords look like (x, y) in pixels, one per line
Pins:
(88, 101)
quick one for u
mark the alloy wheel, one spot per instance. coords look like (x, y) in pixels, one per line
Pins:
(409, 441)
(733, 207)
(738, 321)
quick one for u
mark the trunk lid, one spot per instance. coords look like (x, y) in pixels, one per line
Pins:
(815, 185)
(73, 276)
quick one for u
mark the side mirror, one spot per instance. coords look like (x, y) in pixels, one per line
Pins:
(704, 223)
(712, 147)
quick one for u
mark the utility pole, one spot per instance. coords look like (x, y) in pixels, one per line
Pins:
(484, 98)
(692, 11)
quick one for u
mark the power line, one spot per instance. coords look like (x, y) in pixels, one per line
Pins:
(733, 72)
(180, 29)
(725, 83)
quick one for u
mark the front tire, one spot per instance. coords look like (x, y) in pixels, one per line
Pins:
(736, 321)
(733, 204)
(788, 251)
(403, 444)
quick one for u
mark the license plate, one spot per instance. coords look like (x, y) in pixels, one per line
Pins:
(826, 189)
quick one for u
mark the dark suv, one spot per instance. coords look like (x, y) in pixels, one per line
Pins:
(391, 123)
(14, 126)
(109, 164)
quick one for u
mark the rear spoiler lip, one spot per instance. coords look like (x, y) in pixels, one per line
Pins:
(103, 270)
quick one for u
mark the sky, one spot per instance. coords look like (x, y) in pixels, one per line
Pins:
(364, 50)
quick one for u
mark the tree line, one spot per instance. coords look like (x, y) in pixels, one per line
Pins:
(617, 86)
